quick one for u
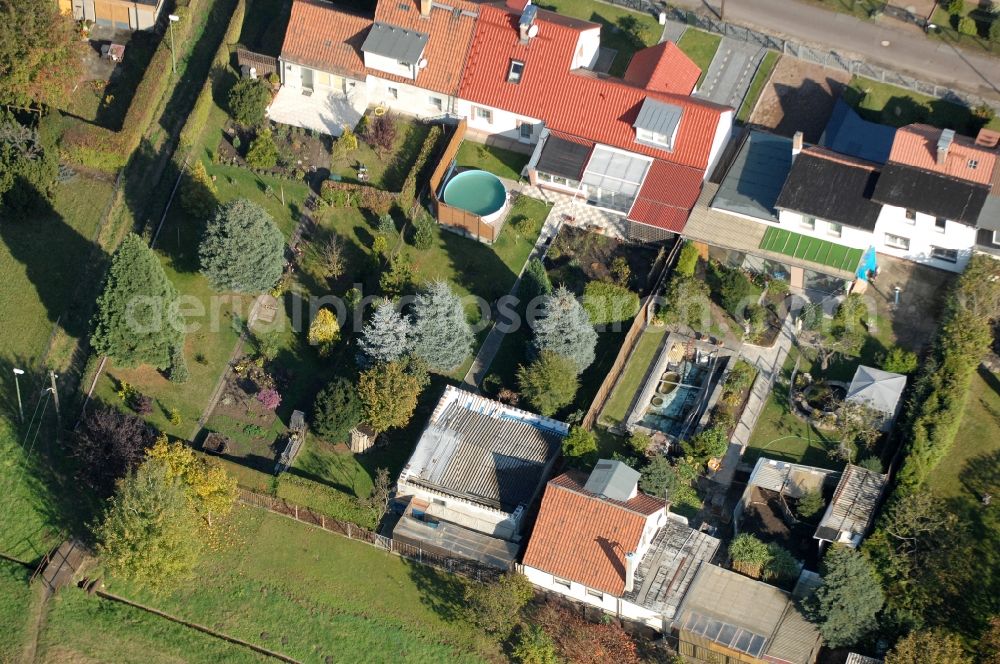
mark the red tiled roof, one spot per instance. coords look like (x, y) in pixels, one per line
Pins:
(576, 102)
(584, 538)
(450, 32)
(916, 145)
(321, 36)
(667, 196)
(663, 68)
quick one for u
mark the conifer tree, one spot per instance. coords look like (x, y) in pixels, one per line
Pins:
(242, 249)
(386, 337)
(137, 321)
(564, 329)
(442, 336)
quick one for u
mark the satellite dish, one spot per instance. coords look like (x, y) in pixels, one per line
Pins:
(422, 63)
(533, 30)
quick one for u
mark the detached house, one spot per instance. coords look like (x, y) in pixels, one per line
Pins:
(600, 541)
(477, 469)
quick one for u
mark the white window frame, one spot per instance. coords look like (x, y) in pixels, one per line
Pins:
(996, 237)
(834, 229)
(483, 113)
(520, 131)
(807, 222)
(393, 91)
(595, 594)
(656, 138)
(436, 102)
(936, 256)
(512, 76)
(897, 241)
(563, 583)
(910, 216)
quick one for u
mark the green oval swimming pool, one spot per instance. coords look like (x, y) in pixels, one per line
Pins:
(479, 192)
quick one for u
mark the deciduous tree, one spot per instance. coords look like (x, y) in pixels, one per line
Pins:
(934, 646)
(549, 383)
(389, 392)
(150, 532)
(579, 443)
(211, 490)
(242, 249)
(850, 597)
(108, 444)
(40, 53)
(386, 337)
(442, 335)
(496, 607)
(137, 321)
(324, 332)
(565, 329)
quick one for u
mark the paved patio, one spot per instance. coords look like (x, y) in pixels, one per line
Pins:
(326, 114)
(576, 212)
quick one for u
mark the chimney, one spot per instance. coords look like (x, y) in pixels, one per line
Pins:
(796, 144)
(425, 8)
(947, 136)
(526, 24)
(629, 571)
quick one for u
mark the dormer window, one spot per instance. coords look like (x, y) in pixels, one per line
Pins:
(657, 123)
(515, 71)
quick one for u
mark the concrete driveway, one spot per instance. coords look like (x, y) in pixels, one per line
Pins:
(732, 69)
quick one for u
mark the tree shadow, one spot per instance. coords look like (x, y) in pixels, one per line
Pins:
(806, 107)
(441, 592)
(55, 257)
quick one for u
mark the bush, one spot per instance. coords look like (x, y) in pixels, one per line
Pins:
(380, 132)
(248, 101)
(263, 153)
(345, 144)
(579, 443)
(871, 463)
(953, 6)
(337, 410)
(687, 261)
(198, 195)
(756, 317)
(899, 360)
(810, 504)
(608, 303)
(496, 607)
(386, 225)
(639, 442)
(423, 235)
(178, 365)
(620, 271)
(324, 332)
(734, 290)
(408, 192)
(549, 383)
(534, 646)
(967, 26)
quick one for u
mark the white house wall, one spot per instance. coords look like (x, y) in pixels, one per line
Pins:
(409, 99)
(389, 65)
(587, 46)
(722, 133)
(605, 601)
(466, 514)
(923, 235)
(849, 237)
(504, 123)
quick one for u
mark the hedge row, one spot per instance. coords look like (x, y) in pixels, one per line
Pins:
(103, 149)
(198, 118)
(942, 388)
(409, 190)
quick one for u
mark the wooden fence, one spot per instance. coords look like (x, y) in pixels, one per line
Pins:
(639, 323)
(262, 64)
(467, 568)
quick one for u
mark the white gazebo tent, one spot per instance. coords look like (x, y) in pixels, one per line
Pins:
(879, 390)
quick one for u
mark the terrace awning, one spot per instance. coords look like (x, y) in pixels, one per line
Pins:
(811, 249)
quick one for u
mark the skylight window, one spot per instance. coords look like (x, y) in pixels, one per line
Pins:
(973, 164)
(515, 72)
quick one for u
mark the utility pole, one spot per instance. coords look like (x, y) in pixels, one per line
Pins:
(55, 395)
(173, 58)
(17, 386)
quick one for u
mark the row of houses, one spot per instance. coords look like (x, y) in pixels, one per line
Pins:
(642, 147)
(479, 486)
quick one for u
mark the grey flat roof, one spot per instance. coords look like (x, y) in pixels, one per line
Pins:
(485, 452)
(668, 567)
(448, 538)
(612, 479)
(658, 116)
(563, 157)
(396, 43)
(756, 177)
(989, 217)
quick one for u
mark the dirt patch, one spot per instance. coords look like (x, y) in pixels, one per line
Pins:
(799, 97)
(577, 257)
(921, 298)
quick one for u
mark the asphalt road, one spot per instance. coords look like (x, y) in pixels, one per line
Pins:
(908, 50)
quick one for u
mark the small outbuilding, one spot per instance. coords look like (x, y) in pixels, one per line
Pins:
(362, 438)
(879, 390)
(853, 507)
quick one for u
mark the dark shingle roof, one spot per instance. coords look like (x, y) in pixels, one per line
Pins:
(831, 187)
(931, 193)
(848, 133)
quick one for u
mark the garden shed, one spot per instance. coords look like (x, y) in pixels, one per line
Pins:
(879, 390)
(362, 438)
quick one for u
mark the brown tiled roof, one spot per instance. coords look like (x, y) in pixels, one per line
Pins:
(584, 538)
(916, 145)
(326, 38)
(450, 30)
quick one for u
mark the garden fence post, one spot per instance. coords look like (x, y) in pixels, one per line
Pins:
(322, 520)
(296, 512)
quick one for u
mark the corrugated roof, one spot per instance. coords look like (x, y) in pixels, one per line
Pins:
(483, 451)
(756, 176)
(791, 479)
(667, 195)
(848, 133)
(854, 503)
(824, 252)
(832, 187)
(666, 570)
(400, 44)
(576, 102)
(663, 67)
(916, 145)
(325, 38)
(747, 615)
(855, 658)
(450, 27)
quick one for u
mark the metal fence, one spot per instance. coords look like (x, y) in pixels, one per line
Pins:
(467, 568)
(818, 56)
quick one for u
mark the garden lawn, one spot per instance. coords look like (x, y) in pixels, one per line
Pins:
(700, 46)
(81, 628)
(892, 105)
(623, 30)
(760, 79)
(500, 162)
(313, 595)
(15, 603)
(41, 261)
(389, 171)
(616, 409)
